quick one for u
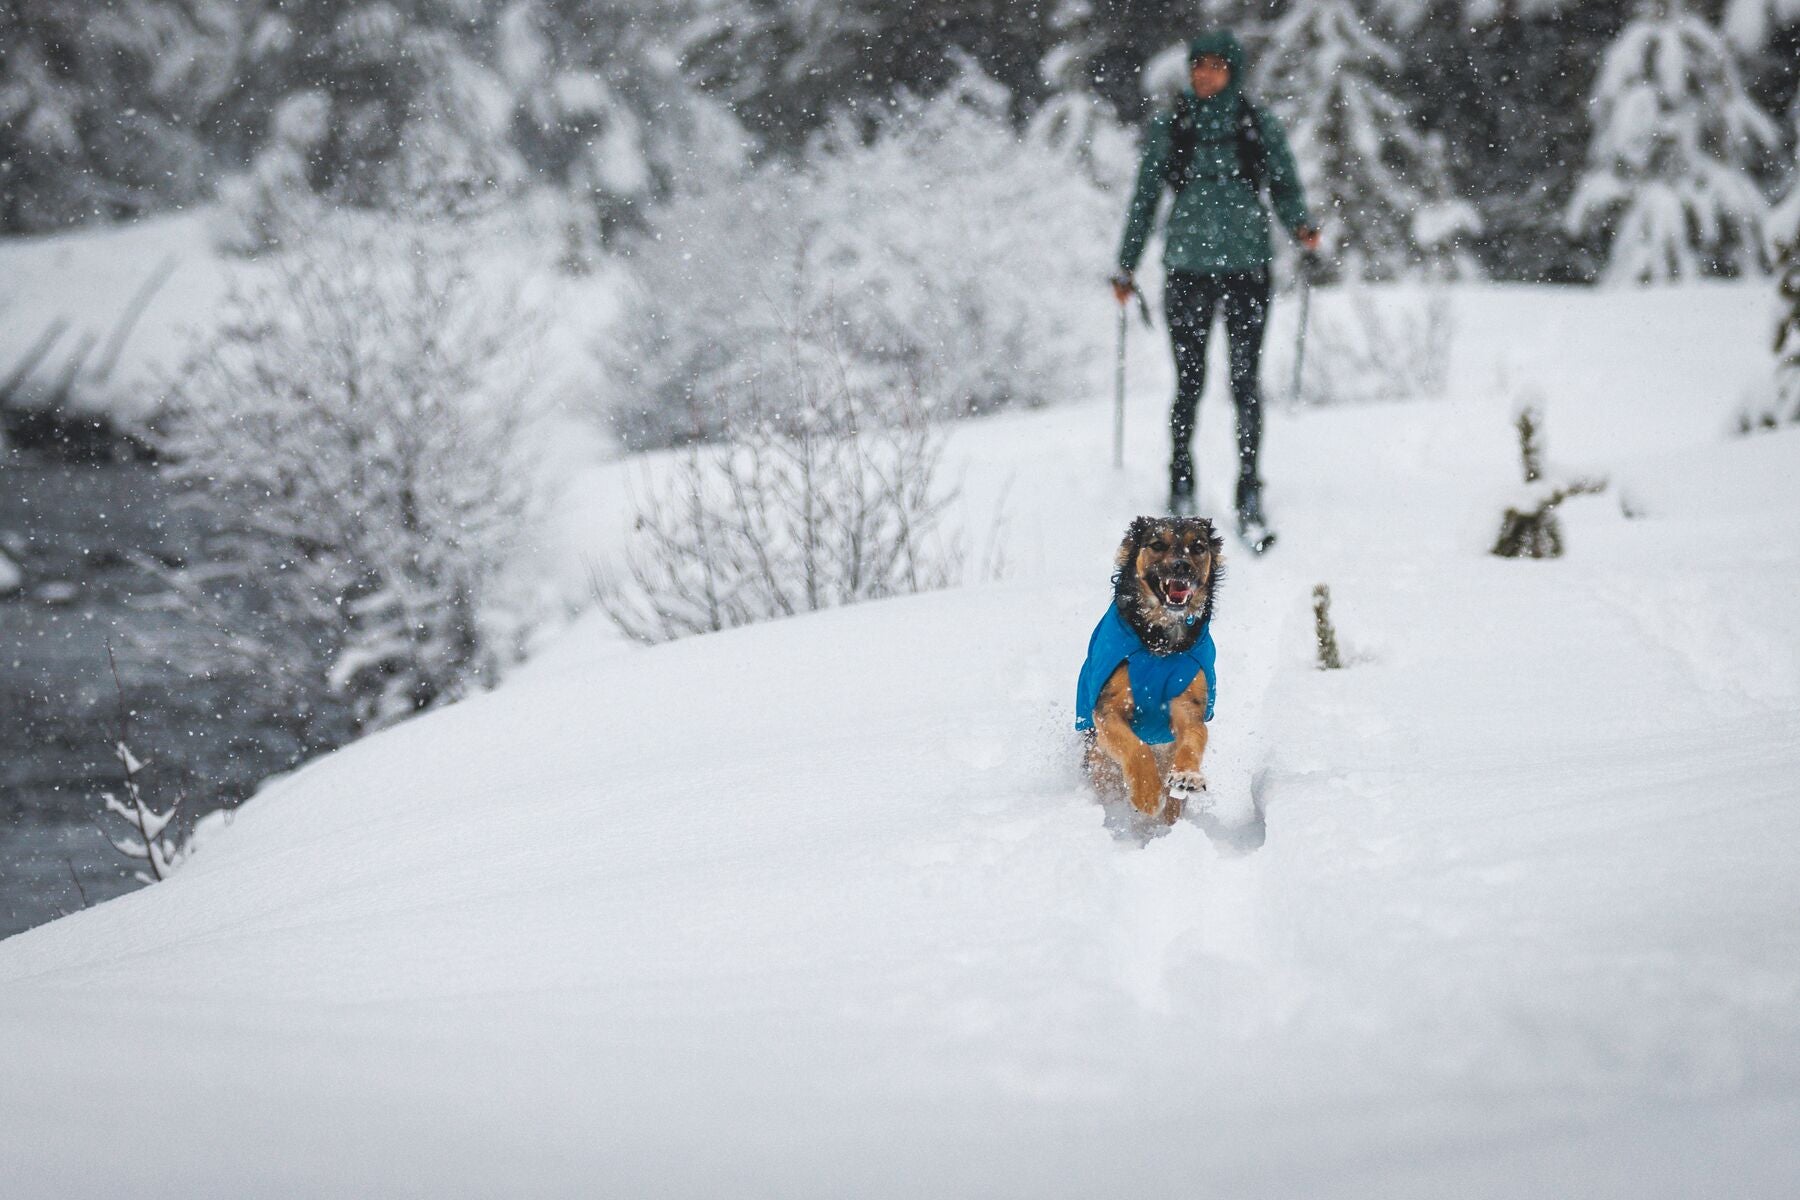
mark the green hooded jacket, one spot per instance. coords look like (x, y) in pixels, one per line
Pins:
(1218, 223)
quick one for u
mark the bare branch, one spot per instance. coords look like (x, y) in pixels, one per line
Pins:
(31, 358)
(828, 499)
(134, 311)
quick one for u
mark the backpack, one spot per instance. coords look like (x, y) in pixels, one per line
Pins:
(1252, 153)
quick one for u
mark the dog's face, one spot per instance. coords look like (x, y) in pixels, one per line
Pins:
(1167, 569)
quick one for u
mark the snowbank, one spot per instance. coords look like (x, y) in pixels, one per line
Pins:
(821, 908)
(89, 281)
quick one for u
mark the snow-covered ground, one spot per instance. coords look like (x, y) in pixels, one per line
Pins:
(821, 907)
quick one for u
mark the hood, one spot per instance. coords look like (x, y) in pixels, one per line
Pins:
(1223, 43)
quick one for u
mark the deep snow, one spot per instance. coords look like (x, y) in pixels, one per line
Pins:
(821, 908)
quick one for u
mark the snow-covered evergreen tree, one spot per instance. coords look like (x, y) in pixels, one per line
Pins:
(456, 156)
(784, 64)
(1378, 186)
(1166, 75)
(603, 107)
(104, 108)
(1669, 183)
(1748, 24)
(1505, 82)
(788, 66)
(271, 204)
(1409, 14)
(1132, 52)
(1784, 218)
(1075, 123)
(1787, 330)
(411, 115)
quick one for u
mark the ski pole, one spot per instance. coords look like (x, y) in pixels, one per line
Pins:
(1143, 307)
(1119, 397)
(1308, 263)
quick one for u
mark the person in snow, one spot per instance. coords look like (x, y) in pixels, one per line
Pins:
(1216, 152)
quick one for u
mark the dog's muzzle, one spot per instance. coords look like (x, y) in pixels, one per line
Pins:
(1177, 591)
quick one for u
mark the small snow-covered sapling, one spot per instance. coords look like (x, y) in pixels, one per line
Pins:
(147, 840)
(1787, 331)
(1531, 453)
(1324, 633)
(1535, 532)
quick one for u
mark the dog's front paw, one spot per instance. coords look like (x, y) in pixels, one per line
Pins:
(1187, 787)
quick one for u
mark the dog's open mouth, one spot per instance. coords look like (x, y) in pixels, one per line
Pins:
(1177, 592)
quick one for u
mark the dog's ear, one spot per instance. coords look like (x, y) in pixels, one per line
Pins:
(1215, 565)
(1135, 533)
(1215, 543)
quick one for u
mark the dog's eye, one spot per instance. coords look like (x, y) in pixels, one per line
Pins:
(1159, 546)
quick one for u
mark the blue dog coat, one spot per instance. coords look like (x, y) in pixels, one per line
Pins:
(1156, 679)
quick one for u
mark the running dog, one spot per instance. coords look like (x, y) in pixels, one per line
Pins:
(1147, 688)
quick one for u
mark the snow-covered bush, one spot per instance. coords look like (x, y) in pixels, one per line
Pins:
(356, 420)
(822, 494)
(1378, 187)
(1669, 183)
(941, 253)
(1375, 344)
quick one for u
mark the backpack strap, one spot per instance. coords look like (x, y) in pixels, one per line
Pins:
(1252, 151)
(1178, 168)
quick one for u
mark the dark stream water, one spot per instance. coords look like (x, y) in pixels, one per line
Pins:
(76, 529)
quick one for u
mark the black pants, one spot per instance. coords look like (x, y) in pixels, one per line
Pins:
(1189, 301)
